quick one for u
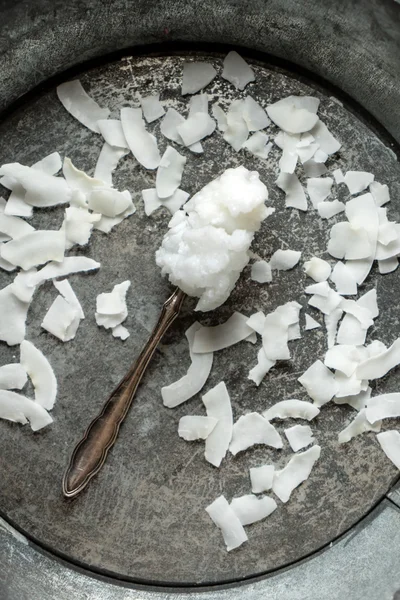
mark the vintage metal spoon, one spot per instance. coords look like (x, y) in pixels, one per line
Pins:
(91, 452)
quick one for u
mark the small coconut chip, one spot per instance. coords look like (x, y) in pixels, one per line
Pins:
(69, 266)
(357, 401)
(359, 425)
(40, 373)
(326, 210)
(296, 471)
(13, 227)
(41, 190)
(112, 132)
(377, 366)
(257, 322)
(13, 314)
(237, 131)
(258, 145)
(278, 328)
(261, 478)
(193, 428)
(196, 76)
(195, 128)
(109, 202)
(79, 181)
(381, 407)
(142, 144)
(169, 173)
(220, 117)
(35, 248)
(380, 193)
(78, 226)
(319, 382)
(311, 323)
(262, 367)
(318, 189)
(66, 291)
(338, 176)
(288, 143)
(261, 272)
(253, 429)
(107, 162)
(344, 280)
(294, 114)
(255, 116)
(76, 101)
(284, 260)
(12, 377)
(19, 409)
(190, 384)
(314, 169)
(237, 71)
(218, 406)
(212, 339)
(317, 269)
(299, 436)
(169, 129)
(295, 196)
(323, 137)
(152, 107)
(390, 444)
(61, 320)
(250, 509)
(358, 181)
(225, 518)
(292, 409)
(111, 309)
(152, 201)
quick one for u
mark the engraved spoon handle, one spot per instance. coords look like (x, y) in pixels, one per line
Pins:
(91, 452)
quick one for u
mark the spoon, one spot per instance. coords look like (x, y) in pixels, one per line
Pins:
(91, 452)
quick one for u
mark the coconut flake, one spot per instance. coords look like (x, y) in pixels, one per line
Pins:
(314, 169)
(152, 107)
(338, 176)
(169, 126)
(349, 386)
(40, 373)
(14, 227)
(276, 331)
(262, 367)
(35, 248)
(349, 242)
(225, 518)
(253, 429)
(111, 309)
(66, 291)
(220, 116)
(237, 131)
(299, 436)
(319, 382)
(12, 377)
(78, 225)
(69, 266)
(107, 223)
(358, 426)
(196, 428)
(283, 260)
(107, 162)
(78, 180)
(322, 135)
(61, 320)
(76, 101)
(344, 358)
(351, 331)
(326, 304)
(112, 132)
(196, 76)
(218, 406)
(258, 144)
(377, 366)
(261, 478)
(363, 314)
(198, 104)
(257, 322)
(388, 266)
(317, 269)
(296, 471)
(169, 173)
(41, 189)
(295, 196)
(380, 193)
(261, 272)
(288, 143)
(250, 509)
(255, 116)
(120, 332)
(321, 289)
(190, 384)
(110, 202)
(292, 409)
(390, 444)
(358, 181)
(142, 144)
(237, 71)
(318, 189)
(344, 280)
(385, 406)
(195, 128)
(326, 210)
(311, 323)
(19, 409)
(212, 339)
(356, 401)
(173, 203)
(294, 114)
(13, 314)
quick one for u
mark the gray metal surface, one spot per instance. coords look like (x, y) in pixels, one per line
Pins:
(363, 565)
(143, 517)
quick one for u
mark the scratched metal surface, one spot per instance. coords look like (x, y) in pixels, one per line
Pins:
(143, 517)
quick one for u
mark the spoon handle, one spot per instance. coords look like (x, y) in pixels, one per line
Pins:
(91, 452)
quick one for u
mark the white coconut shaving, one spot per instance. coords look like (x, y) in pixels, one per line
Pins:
(338, 176)
(40, 373)
(320, 289)
(261, 272)
(358, 181)
(152, 107)
(216, 231)
(220, 116)
(356, 401)
(311, 323)
(193, 428)
(19, 409)
(69, 266)
(153, 202)
(318, 189)
(317, 268)
(65, 289)
(35, 248)
(250, 509)
(326, 303)
(237, 71)
(142, 144)
(196, 76)
(12, 377)
(109, 202)
(111, 309)
(77, 102)
(294, 114)
(319, 382)
(78, 226)
(388, 266)
(107, 162)
(198, 103)
(292, 409)
(218, 406)
(169, 173)
(261, 478)
(112, 132)
(344, 280)
(236, 131)
(41, 189)
(299, 437)
(284, 260)
(326, 141)
(361, 313)
(277, 330)
(314, 169)
(390, 444)
(79, 181)
(212, 339)
(295, 196)
(352, 330)
(20, 286)
(258, 145)
(190, 384)
(385, 406)
(348, 242)
(169, 128)
(296, 471)
(344, 358)
(65, 314)
(380, 193)
(226, 520)
(288, 143)
(253, 429)
(326, 210)
(263, 366)
(257, 322)
(13, 314)
(14, 227)
(255, 116)
(195, 128)
(4, 264)
(358, 426)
